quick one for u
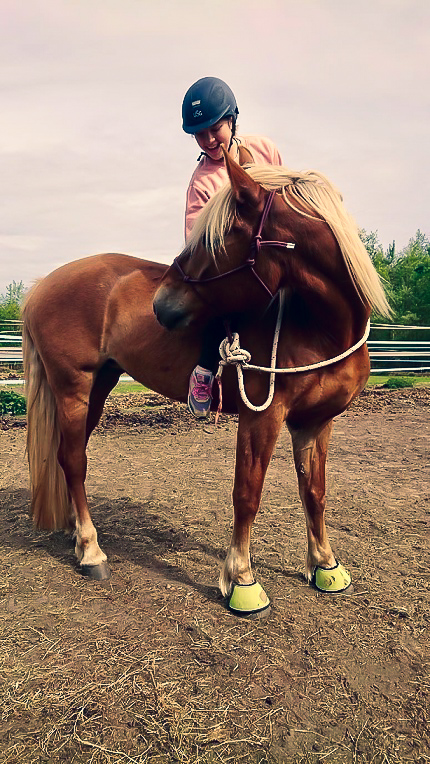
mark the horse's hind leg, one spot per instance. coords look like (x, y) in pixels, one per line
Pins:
(106, 379)
(72, 410)
(310, 452)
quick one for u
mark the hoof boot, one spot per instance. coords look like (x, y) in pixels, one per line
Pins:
(249, 601)
(332, 580)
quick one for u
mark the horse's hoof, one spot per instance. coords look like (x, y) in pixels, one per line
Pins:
(249, 601)
(334, 580)
(99, 572)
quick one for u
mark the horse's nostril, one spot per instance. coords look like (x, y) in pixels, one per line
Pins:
(168, 314)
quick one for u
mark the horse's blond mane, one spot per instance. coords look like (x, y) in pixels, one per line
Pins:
(322, 198)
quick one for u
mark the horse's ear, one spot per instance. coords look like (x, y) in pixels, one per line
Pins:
(245, 189)
(245, 156)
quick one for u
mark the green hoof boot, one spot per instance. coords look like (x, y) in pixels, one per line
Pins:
(249, 600)
(332, 580)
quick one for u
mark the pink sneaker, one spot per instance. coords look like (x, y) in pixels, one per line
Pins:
(200, 392)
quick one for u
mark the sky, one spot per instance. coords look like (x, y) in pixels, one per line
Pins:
(92, 154)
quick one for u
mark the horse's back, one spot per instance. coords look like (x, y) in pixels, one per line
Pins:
(91, 278)
(68, 307)
(83, 287)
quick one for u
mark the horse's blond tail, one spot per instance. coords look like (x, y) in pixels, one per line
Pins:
(50, 505)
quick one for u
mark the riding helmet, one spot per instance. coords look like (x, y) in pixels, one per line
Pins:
(205, 103)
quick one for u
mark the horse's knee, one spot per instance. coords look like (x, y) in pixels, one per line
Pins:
(245, 503)
(315, 498)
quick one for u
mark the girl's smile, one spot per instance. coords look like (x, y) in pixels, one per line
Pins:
(211, 139)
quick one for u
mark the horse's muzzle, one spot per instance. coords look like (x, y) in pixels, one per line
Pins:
(169, 310)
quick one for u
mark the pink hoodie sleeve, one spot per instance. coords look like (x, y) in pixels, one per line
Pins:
(275, 157)
(196, 199)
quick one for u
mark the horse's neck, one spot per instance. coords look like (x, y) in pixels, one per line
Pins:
(318, 280)
(328, 308)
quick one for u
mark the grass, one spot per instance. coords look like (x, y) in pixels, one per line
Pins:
(121, 388)
(129, 387)
(410, 380)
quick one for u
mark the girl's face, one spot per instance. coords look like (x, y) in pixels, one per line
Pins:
(211, 139)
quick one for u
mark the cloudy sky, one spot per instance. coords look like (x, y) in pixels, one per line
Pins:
(92, 155)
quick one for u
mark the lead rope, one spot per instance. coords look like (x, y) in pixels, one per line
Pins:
(232, 354)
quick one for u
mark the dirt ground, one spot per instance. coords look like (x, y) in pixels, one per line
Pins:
(151, 667)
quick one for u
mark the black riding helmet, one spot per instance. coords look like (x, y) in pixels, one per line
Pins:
(205, 103)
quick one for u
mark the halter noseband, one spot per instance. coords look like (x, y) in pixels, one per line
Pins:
(256, 245)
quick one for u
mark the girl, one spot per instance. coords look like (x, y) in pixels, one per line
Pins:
(209, 112)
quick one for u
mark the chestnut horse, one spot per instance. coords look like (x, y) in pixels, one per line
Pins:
(312, 255)
(92, 319)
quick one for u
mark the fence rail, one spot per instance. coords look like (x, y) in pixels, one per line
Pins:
(386, 356)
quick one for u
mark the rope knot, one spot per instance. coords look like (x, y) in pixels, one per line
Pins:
(232, 353)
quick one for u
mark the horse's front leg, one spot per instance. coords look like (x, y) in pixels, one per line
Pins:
(256, 438)
(310, 453)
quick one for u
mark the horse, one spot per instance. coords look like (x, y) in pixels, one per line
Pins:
(93, 319)
(312, 257)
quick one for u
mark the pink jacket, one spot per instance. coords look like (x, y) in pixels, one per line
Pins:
(210, 175)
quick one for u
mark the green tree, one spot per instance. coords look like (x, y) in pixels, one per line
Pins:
(371, 242)
(405, 275)
(382, 262)
(10, 303)
(14, 293)
(410, 278)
